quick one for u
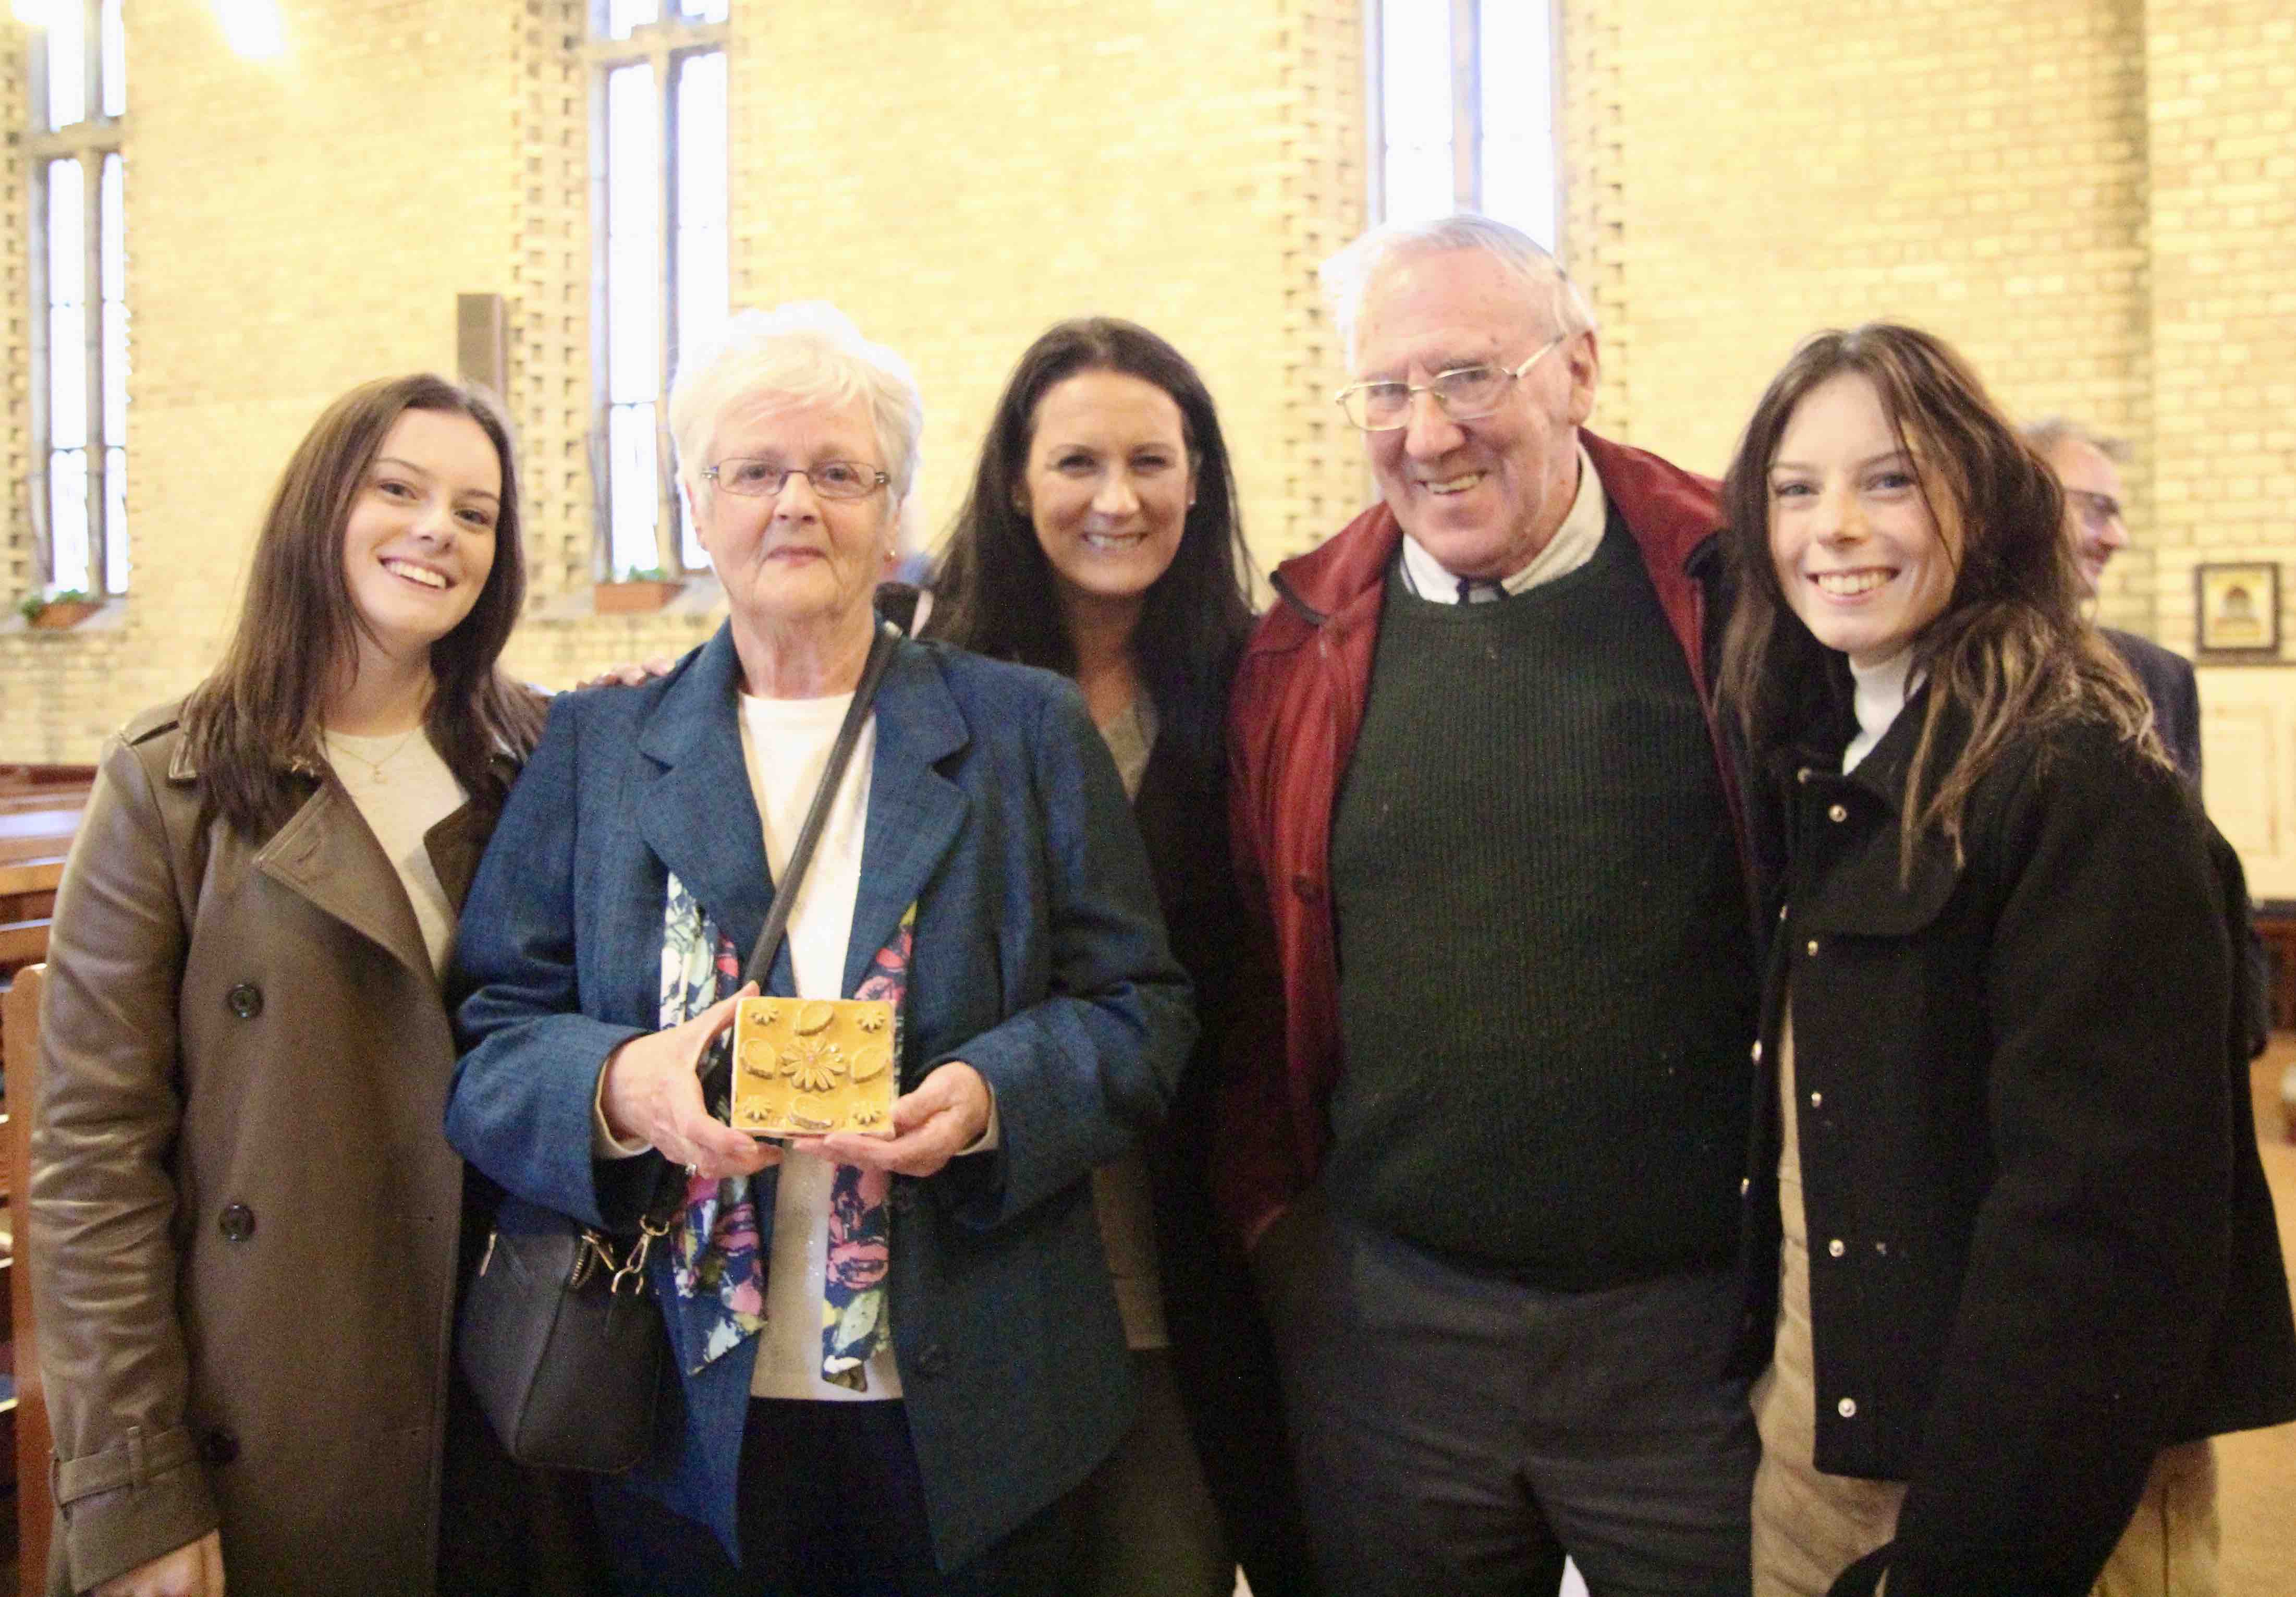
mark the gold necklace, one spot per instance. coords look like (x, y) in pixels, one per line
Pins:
(374, 767)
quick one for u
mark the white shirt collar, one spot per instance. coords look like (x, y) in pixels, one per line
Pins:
(1573, 545)
(1880, 693)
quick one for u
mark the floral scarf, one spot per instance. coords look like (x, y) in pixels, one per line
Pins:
(717, 1262)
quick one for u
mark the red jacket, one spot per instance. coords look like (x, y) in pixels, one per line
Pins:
(1296, 706)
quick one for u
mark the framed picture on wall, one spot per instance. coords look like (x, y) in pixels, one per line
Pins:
(2239, 608)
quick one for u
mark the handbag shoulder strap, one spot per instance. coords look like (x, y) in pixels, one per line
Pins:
(817, 817)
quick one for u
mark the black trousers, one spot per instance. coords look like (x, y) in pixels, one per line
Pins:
(831, 1505)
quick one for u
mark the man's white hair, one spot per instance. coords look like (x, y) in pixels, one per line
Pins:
(1348, 274)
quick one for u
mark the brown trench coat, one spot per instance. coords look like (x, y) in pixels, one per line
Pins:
(243, 1211)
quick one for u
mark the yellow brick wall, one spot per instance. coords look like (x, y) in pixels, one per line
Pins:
(2220, 81)
(1975, 167)
(2093, 199)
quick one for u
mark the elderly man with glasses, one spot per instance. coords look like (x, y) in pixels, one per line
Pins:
(1488, 1157)
(2087, 465)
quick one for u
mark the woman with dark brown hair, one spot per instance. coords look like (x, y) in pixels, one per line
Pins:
(2011, 1255)
(1102, 540)
(245, 1219)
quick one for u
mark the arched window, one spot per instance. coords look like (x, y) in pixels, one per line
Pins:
(1463, 111)
(658, 205)
(76, 61)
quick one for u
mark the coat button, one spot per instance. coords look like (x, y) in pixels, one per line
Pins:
(1781, 912)
(1846, 1408)
(1816, 1099)
(237, 1223)
(1835, 1248)
(246, 1000)
(1837, 814)
(1802, 775)
(932, 1360)
(1745, 1185)
(1810, 947)
(219, 1448)
(1758, 1051)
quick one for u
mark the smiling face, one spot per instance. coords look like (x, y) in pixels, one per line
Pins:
(420, 538)
(1485, 495)
(1858, 555)
(1107, 485)
(796, 562)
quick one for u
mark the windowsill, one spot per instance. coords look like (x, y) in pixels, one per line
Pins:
(110, 616)
(699, 594)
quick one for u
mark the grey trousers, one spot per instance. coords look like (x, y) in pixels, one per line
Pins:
(1460, 1433)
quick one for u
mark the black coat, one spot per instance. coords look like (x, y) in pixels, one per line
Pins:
(1221, 1350)
(2041, 1244)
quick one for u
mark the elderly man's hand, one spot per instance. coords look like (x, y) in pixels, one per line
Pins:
(944, 1117)
(652, 1093)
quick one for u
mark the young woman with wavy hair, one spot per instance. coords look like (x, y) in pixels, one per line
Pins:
(2012, 1257)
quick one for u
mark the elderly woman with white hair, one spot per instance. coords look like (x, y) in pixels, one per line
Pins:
(898, 1354)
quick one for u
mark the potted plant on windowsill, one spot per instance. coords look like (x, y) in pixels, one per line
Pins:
(636, 592)
(54, 613)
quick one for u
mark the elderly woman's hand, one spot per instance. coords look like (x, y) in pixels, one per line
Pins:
(652, 1093)
(945, 1116)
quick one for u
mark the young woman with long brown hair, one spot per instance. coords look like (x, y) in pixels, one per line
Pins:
(2011, 1256)
(245, 1219)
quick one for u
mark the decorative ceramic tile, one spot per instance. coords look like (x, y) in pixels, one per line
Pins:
(804, 1067)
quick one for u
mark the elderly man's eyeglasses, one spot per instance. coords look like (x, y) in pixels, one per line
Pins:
(2094, 509)
(1462, 393)
(765, 478)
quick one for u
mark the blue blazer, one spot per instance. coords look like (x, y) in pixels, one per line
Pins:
(1039, 959)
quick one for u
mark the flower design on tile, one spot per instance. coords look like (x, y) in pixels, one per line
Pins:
(757, 1059)
(866, 1114)
(870, 1020)
(814, 1018)
(805, 1122)
(812, 1064)
(869, 1062)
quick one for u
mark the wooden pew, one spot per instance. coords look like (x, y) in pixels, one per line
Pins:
(34, 1508)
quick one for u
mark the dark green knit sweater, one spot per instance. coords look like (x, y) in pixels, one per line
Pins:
(1546, 990)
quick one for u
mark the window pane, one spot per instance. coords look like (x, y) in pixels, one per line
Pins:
(702, 267)
(705, 11)
(623, 15)
(632, 237)
(67, 306)
(115, 520)
(634, 489)
(113, 254)
(68, 566)
(1415, 104)
(1518, 118)
(66, 30)
(689, 542)
(115, 60)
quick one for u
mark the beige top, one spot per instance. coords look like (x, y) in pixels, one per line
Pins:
(1120, 1191)
(403, 788)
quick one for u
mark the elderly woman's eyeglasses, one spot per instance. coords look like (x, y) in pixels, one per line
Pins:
(1462, 393)
(765, 478)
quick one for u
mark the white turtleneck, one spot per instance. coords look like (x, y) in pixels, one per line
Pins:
(1881, 693)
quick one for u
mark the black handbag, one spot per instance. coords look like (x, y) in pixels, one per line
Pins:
(559, 1334)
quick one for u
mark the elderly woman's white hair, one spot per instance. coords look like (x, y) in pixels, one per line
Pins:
(1348, 273)
(807, 352)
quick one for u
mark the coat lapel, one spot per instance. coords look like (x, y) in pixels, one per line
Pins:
(915, 812)
(327, 855)
(696, 813)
